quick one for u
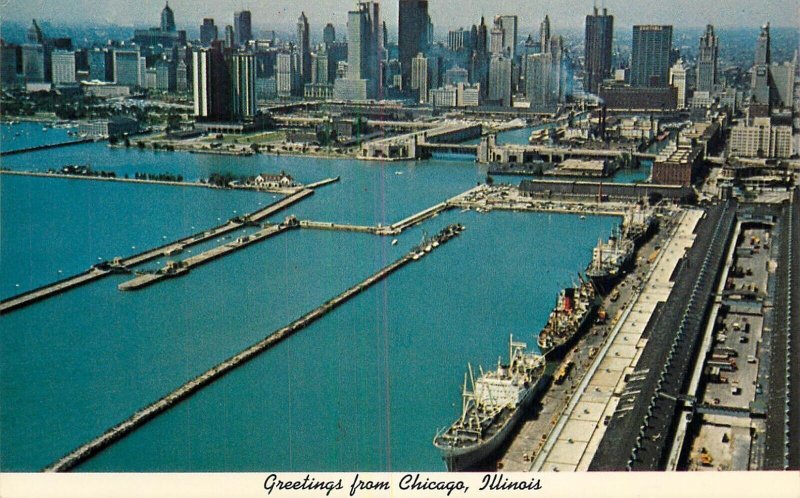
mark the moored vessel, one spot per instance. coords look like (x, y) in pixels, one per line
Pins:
(491, 409)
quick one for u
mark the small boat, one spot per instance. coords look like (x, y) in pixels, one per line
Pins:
(398, 173)
(394, 242)
(583, 216)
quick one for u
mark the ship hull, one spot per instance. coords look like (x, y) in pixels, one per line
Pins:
(461, 459)
(604, 282)
(558, 351)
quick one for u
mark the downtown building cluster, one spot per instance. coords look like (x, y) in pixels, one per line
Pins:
(229, 69)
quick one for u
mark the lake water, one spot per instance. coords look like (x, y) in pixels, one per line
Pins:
(364, 388)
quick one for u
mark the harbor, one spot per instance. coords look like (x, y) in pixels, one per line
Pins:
(119, 264)
(139, 418)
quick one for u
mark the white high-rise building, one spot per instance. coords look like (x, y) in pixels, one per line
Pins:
(63, 65)
(677, 79)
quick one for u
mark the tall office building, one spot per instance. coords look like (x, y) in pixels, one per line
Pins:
(707, 61)
(650, 56)
(364, 49)
(329, 34)
(782, 78)
(211, 83)
(208, 32)
(497, 40)
(323, 69)
(509, 25)
(544, 35)
(481, 41)
(287, 74)
(101, 65)
(304, 46)
(9, 55)
(242, 27)
(500, 75)
(599, 36)
(243, 85)
(459, 39)
(230, 37)
(412, 32)
(63, 66)
(167, 19)
(677, 79)
(420, 79)
(760, 86)
(33, 63)
(547, 77)
(127, 68)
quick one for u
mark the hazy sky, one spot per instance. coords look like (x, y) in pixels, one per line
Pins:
(445, 13)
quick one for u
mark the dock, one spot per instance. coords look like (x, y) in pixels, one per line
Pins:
(322, 183)
(140, 417)
(121, 265)
(324, 225)
(182, 267)
(45, 147)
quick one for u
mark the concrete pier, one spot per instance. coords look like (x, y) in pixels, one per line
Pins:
(44, 147)
(113, 434)
(122, 264)
(183, 267)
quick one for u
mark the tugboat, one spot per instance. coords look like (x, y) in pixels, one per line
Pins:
(574, 309)
(491, 409)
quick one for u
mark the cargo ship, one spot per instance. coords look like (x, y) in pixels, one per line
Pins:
(610, 260)
(639, 225)
(574, 309)
(491, 409)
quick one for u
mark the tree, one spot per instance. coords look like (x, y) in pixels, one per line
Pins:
(489, 180)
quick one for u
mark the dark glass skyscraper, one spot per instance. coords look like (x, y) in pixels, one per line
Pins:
(599, 36)
(650, 56)
(412, 33)
(329, 34)
(167, 19)
(208, 32)
(707, 61)
(304, 46)
(242, 27)
(760, 84)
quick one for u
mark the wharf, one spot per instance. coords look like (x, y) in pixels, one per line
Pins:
(183, 267)
(45, 147)
(139, 418)
(324, 225)
(123, 264)
(568, 429)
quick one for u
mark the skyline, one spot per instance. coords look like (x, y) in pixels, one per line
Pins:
(284, 13)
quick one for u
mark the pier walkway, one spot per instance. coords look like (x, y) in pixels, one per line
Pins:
(139, 418)
(122, 264)
(183, 267)
(44, 147)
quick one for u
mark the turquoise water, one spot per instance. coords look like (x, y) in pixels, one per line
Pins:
(25, 134)
(364, 388)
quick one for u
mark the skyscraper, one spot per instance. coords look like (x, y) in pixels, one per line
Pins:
(211, 84)
(419, 77)
(287, 74)
(242, 27)
(544, 35)
(599, 36)
(329, 34)
(127, 68)
(509, 26)
(167, 19)
(230, 37)
(650, 56)
(412, 32)
(707, 61)
(677, 79)
(500, 73)
(208, 32)
(63, 66)
(243, 85)
(33, 63)
(546, 79)
(304, 46)
(760, 84)
(364, 47)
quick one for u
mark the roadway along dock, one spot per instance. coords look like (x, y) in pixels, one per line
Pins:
(324, 225)
(181, 268)
(322, 183)
(85, 451)
(45, 147)
(122, 265)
